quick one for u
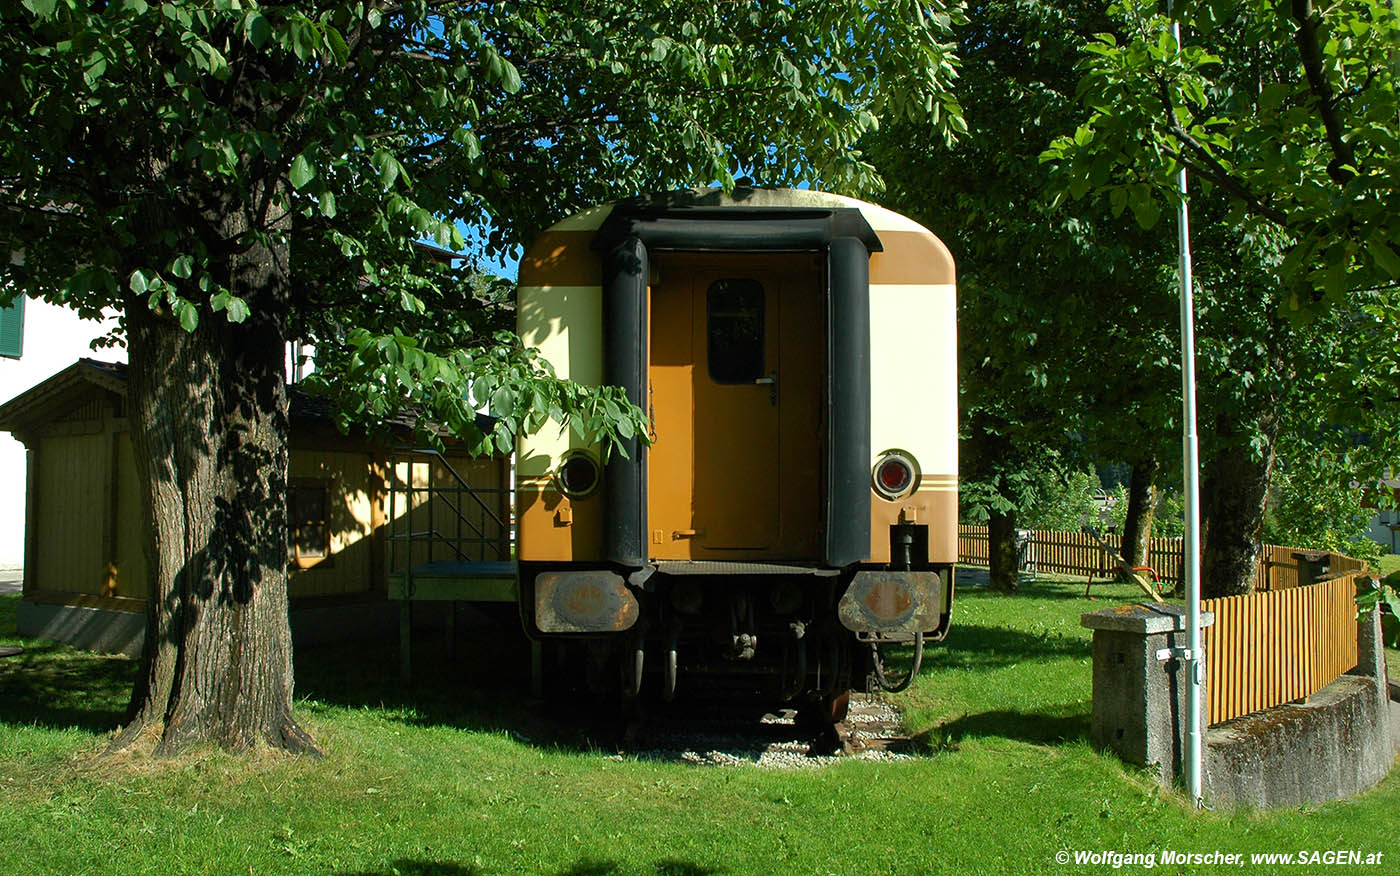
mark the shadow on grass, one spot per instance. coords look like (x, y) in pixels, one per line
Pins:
(56, 687)
(1067, 723)
(52, 687)
(480, 683)
(587, 867)
(991, 646)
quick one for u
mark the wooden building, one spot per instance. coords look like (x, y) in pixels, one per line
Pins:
(357, 510)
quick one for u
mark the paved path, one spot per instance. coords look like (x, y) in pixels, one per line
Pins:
(967, 576)
(10, 578)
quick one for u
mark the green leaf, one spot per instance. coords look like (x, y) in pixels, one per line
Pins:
(388, 167)
(1384, 256)
(41, 8)
(259, 30)
(339, 50)
(327, 204)
(302, 172)
(137, 282)
(187, 313)
(510, 77)
(182, 267)
(1146, 211)
(502, 402)
(237, 309)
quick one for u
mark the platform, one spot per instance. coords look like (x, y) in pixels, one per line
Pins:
(455, 581)
(445, 581)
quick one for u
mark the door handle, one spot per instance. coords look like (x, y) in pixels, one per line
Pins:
(771, 381)
(687, 533)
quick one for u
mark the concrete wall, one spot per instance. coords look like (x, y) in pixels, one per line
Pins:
(1337, 743)
(123, 632)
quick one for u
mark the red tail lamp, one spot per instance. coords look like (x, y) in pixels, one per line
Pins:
(896, 475)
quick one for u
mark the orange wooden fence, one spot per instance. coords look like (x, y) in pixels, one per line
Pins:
(1285, 641)
(1269, 648)
(1278, 567)
(1076, 553)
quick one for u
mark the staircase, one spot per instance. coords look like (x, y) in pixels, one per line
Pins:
(449, 539)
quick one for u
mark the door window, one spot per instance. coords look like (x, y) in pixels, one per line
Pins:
(734, 330)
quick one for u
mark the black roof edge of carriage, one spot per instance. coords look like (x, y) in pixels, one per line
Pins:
(46, 397)
(701, 220)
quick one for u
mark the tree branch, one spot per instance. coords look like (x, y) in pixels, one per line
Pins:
(1206, 165)
(1344, 157)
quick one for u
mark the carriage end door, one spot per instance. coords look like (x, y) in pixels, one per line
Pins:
(735, 395)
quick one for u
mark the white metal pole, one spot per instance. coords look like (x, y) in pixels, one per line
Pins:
(1191, 465)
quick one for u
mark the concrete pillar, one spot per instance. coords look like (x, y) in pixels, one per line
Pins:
(1370, 662)
(1140, 690)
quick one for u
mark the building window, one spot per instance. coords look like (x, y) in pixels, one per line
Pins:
(735, 330)
(309, 534)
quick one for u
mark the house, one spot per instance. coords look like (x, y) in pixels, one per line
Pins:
(357, 509)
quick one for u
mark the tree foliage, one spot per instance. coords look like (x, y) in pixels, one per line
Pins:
(1285, 115)
(1289, 110)
(1065, 316)
(1069, 336)
(389, 122)
(231, 174)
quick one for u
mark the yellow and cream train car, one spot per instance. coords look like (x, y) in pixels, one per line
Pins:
(796, 505)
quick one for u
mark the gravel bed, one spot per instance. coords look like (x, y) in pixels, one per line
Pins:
(771, 742)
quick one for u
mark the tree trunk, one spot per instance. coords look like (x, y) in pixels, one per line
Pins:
(1234, 488)
(208, 411)
(1001, 552)
(1142, 509)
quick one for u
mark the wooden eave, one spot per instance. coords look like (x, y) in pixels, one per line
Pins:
(59, 394)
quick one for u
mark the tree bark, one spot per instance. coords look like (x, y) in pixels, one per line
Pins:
(208, 411)
(1234, 488)
(1001, 552)
(1142, 510)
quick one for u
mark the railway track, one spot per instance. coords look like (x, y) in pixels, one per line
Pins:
(705, 734)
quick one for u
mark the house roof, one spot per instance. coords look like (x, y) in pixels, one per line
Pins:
(53, 396)
(73, 385)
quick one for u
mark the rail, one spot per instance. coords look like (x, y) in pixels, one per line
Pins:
(455, 520)
(461, 481)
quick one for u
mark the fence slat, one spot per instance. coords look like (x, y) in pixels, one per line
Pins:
(1274, 647)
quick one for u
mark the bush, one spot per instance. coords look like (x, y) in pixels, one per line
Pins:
(1307, 509)
(1063, 501)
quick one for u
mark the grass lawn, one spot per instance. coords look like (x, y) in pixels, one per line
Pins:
(459, 777)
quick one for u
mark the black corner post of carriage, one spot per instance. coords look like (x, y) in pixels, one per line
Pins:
(848, 401)
(625, 365)
(842, 233)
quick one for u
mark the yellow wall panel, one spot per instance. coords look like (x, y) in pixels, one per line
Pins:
(72, 516)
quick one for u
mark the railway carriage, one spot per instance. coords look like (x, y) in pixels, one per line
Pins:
(796, 506)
